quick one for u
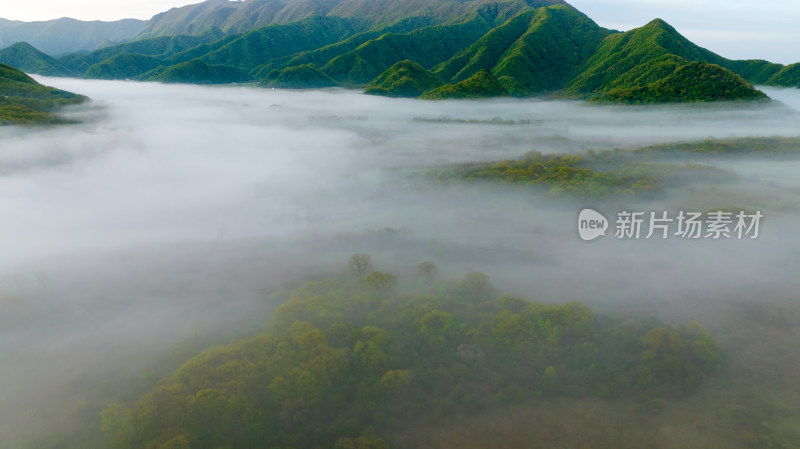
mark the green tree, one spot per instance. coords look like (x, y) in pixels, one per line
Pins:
(360, 265)
(550, 379)
(427, 271)
(476, 285)
(395, 379)
(381, 282)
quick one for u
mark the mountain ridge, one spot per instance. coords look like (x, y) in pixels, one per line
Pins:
(527, 48)
(238, 17)
(67, 35)
(27, 58)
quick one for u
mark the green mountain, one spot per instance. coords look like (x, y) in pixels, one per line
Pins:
(232, 17)
(692, 82)
(404, 79)
(255, 47)
(321, 56)
(787, 76)
(756, 71)
(241, 52)
(480, 85)
(530, 47)
(768, 73)
(161, 47)
(28, 59)
(647, 64)
(485, 53)
(240, 17)
(75, 62)
(637, 57)
(342, 364)
(299, 77)
(540, 49)
(557, 42)
(427, 46)
(198, 72)
(24, 101)
(61, 36)
(199, 50)
(122, 66)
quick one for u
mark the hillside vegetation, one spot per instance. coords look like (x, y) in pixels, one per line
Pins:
(342, 361)
(24, 101)
(198, 72)
(122, 66)
(528, 47)
(299, 77)
(693, 82)
(404, 79)
(239, 17)
(28, 59)
(480, 85)
(612, 173)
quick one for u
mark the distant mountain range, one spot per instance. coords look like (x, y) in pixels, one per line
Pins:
(433, 48)
(61, 36)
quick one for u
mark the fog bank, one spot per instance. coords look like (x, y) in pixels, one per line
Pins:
(173, 210)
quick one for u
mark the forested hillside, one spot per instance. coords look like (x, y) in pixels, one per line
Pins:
(530, 48)
(239, 17)
(24, 101)
(343, 360)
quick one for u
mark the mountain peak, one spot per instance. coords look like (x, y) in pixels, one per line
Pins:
(22, 46)
(28, 58)
(658, 22)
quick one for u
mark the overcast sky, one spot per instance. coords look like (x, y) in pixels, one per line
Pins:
(743, 29)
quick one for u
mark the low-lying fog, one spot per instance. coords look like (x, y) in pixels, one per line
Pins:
(173, 210)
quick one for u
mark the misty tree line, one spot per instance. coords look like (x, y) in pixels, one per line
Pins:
(344, 359)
